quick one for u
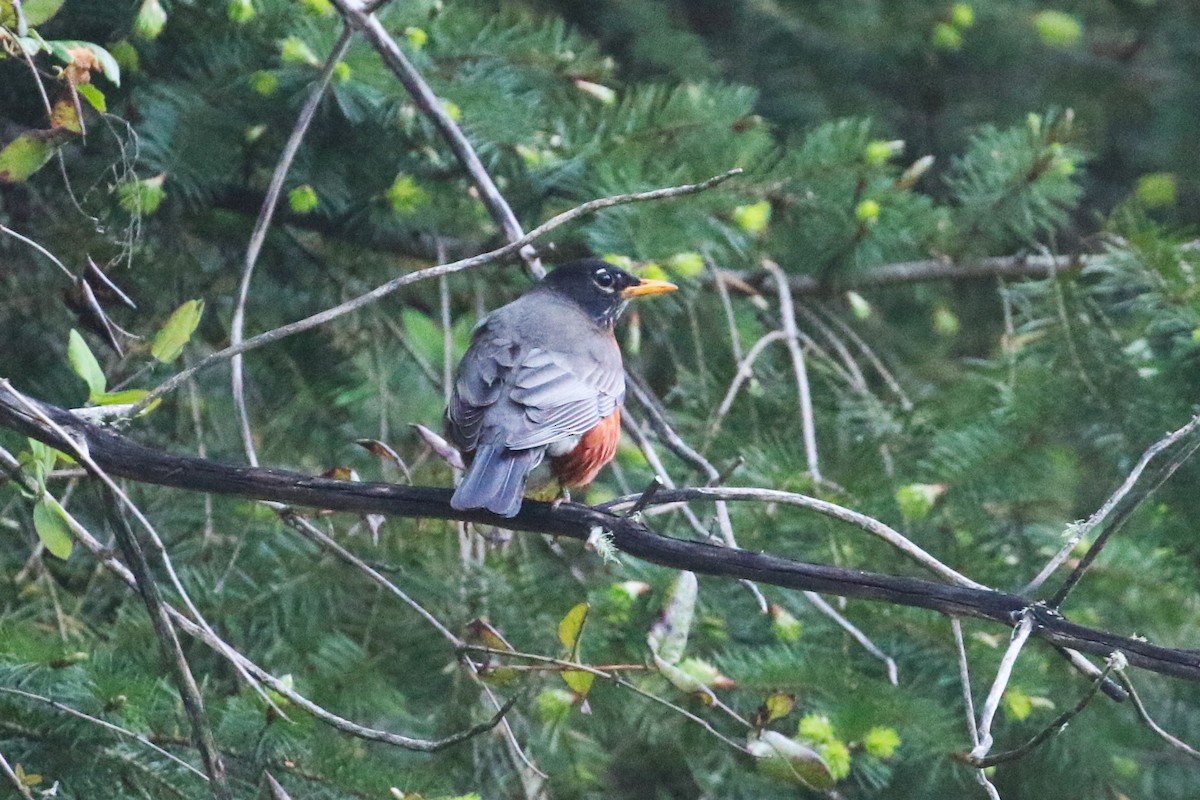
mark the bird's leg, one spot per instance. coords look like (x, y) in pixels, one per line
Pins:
(563, 496)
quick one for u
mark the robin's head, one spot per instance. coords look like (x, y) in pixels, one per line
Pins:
(601, 289)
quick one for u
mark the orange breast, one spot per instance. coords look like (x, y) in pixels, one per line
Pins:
(595, 449)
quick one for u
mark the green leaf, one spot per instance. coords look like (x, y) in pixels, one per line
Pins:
(579, 681)
(50, 520)
(177, 332)
(28, 153)
(916, 500)
(1057, 28)
(405, 196)
(753, 218)
(126, 397)
(85, 364)
(1156, 190)
(142, 198)
(669, 635)
(571, 626)
(789, 760)
(36, 11)
(881, 742)
(150, 21)
(303, 199)
(94, 96)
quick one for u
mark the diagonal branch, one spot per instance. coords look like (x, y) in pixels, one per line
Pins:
(120, 456)
(366, 21)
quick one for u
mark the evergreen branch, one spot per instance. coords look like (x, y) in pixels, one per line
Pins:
(189, 691)
(117, 729)
(383, 290)
(611, 675)
(424, 98)
(121, 456)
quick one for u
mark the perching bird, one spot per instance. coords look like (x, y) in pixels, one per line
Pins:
(543, 377)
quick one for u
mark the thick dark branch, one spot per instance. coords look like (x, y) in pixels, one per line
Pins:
(123, 457)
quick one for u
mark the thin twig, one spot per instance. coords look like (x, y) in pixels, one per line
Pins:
(1003, 674)
(14, 778)
(1101, 514)
(1057, 726)
(1145, 717)
(259, 235)
(792, 337)
(856, 634)
(53, 258)
(430, 106)
(383, 290)
(867, 523)
(1118, 521)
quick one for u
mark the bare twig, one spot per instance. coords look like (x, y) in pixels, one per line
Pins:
(259, 235)
(26, 240)
(1118, 521)
(1145, 717)
(833, 510)
(14, 778)
(1003, 674)
(792, 337)
(430, 106)
(856, 634)
(964, 677)
(1079, 531)
(383, 290)
(1057, 726)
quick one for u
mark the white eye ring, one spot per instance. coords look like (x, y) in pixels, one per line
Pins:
(604, 279)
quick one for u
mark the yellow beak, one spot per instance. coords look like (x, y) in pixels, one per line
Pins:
(647, 287)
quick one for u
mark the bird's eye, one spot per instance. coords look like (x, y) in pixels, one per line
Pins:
(604, 279)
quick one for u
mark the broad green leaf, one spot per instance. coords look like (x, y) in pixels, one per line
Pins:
(789, 760)
(28, 153)
(579, 681)
(85, 364)
(94, 96)
(50, 522)
(177, 332)
(669, 634)
(571, 626)
(36, 11)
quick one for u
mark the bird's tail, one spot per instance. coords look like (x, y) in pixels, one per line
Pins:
(496, 479)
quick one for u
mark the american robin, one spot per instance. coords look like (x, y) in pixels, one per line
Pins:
(543, 377)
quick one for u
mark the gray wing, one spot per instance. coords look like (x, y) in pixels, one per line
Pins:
(523, 396)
